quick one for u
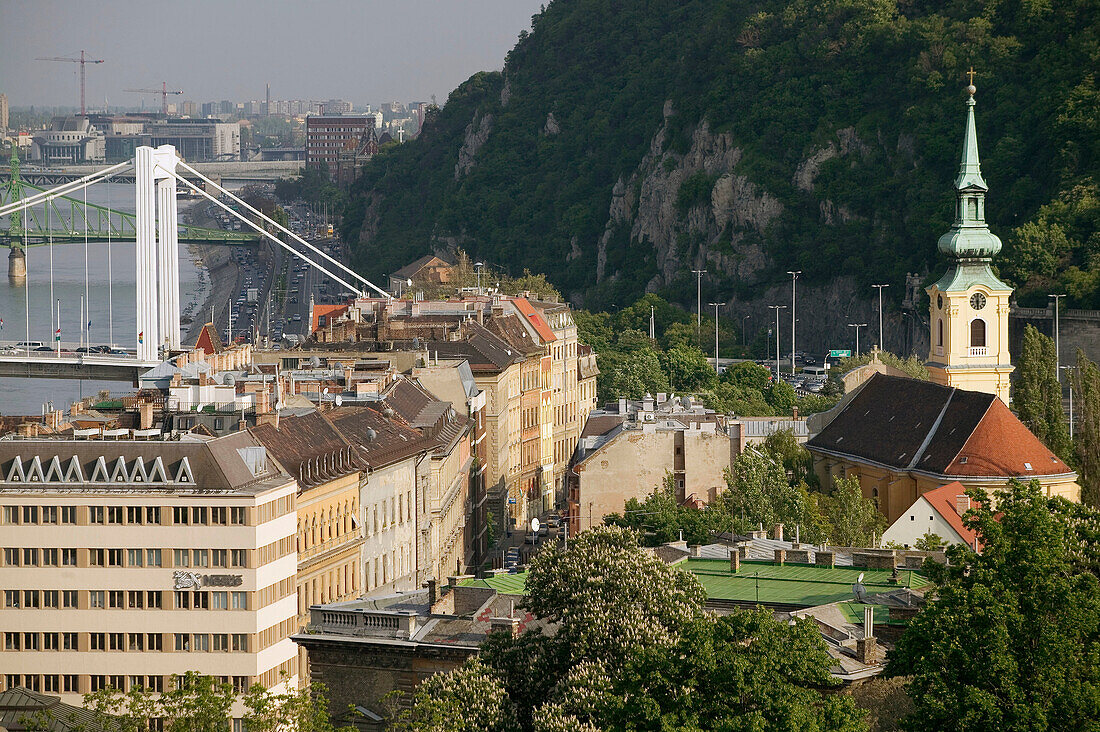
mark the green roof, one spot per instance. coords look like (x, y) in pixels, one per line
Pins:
(791, 584)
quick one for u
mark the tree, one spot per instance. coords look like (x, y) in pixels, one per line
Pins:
(301, 710)
(661, 518)
(855, 520)
(632, 648)
(1037, 396)
(759, 490)
(1086, 388)
(1012, 640)
(930, 542)
(688, 368)
(633, 376)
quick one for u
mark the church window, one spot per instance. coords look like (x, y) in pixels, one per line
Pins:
(973, 206)
(939, 332)
(977, 333)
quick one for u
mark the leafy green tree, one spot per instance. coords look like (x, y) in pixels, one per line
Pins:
(688, 369)
(781, 396)
(795, 459)
(930, 542)
(469, 699)
(760, 492)
(632, 376)
(1037, 396)
(1086, 389)
(1012, 640)
(301, 710)
(747, 374)
(660, 518)
(854, 520)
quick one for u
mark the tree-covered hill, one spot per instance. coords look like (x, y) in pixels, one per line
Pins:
(627, 142)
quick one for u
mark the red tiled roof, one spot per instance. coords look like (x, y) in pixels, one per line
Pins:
(329, 310)
(536, 320)
(208, 340)
(1001, 445)
(945, 501)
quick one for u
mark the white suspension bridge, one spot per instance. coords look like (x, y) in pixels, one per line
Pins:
(156, 173)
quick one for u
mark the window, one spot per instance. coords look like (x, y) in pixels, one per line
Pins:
(240, 642)
(183, 641)
(117, 641)
(68, 514)
(68, 557)
(181, 515)
(96, 515)
(220, 642)
(135, 557)
(50, 598)
(11, 557)
(239, 600)
(156, 683)
(218, 515)
(51, 683)
(11, 514)
(68, 642)
(135, 515)
(219, 558)
(116, 515)
(12, 598)
(135, 599)
(135, 641)
(97, 641)
(201, 642)
(181, 557)
(116, 599)
(183, 600)
(97, 557)
(202, 558)
(70, 683)
(68, 598)
(11, 643)
(939, 333)
(31, 599)
(238, 557)
(97, 682)
(240, 684)
(201, 601)
(977, 333)
(30, 514)
(137, 682)
(114, 557)
(30, 557)
(49, 514)
(30, 641)
(49, 557)
(117, 682)
(153, 557)
(152, 514)
(50, 641)
(153, 599)
(199, 515)
(219, 600)
(236, 515)
(154, 641)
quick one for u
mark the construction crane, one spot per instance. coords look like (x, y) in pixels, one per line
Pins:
(82, 61)
(164, 91)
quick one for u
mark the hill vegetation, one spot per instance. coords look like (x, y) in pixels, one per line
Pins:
(628, 142)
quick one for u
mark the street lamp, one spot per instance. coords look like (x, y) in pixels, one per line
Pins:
(715, 306)
(857, 326)
(794, 276)
(1070, 368)
(881, 338)
(477, 267)
(777, 308)
(698, 300)
(743, 319)
(1057, 334)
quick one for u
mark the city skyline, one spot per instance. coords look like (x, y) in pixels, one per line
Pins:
(422, 50)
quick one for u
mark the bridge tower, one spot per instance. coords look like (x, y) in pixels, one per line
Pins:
(17, 258)
(157, 253)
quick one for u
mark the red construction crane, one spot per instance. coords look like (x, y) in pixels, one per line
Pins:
(164, 91)
(80, 61)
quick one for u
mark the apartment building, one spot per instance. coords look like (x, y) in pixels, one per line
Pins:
(126, 561)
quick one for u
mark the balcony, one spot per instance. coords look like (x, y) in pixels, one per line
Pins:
(977, 351)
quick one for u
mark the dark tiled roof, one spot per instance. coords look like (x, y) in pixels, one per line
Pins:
(601, 424)
(410, 401)
(410, 270)
(484, 350)
(300, 439)
(378, 440)
(510, 330)
(19, 702)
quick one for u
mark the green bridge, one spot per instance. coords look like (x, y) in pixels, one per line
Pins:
(65, 218)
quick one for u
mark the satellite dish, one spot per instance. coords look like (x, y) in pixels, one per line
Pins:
(534, 526)
(858, 590)
(325, 390)
(860, 578)
(339, 400)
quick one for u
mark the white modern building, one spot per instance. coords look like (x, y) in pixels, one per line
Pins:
(127, 560)
(69, 140)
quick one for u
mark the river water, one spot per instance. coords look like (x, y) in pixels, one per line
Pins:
(104, 276)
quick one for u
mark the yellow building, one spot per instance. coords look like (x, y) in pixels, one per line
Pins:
(968, 310)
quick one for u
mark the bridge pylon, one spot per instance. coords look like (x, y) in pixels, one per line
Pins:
(158, 284)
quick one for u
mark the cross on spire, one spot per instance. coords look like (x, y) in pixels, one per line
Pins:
(971, 75)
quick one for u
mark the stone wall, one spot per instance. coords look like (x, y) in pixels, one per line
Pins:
(1079, 329)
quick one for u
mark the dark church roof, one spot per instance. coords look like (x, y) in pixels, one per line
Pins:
(909, 424)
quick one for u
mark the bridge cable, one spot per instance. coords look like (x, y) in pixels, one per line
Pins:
(49, 230)
(27, 280)
(110, 274)
(64, 188)
(87, 295)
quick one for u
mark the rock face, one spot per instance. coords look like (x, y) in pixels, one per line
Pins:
(551, 127)
(477, 132)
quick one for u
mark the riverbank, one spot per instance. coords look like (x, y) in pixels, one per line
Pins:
(218, 275)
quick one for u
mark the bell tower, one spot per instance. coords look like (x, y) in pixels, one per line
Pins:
(968, 306)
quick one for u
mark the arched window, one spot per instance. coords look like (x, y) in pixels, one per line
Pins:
(939, 332)
(973, 204)
(977, 333)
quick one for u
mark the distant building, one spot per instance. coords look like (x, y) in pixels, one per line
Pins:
(340, 143)
(69, 140)
(188, 108)
(3, 113)
(429, 270)
(197, 139)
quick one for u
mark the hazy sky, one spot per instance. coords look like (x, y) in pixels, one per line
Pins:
(365, 51)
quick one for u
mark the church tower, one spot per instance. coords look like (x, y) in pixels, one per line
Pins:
(969, 304)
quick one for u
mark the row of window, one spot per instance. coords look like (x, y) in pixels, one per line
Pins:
(127, 515)
(82, 684)
(129, 599)
(68, 557)
(48, 641)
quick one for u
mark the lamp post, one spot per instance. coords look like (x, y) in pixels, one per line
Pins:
(743, 319)
(881, 338)
(777, 308)
(857, 326)
(477, 267)
(1069, 368)
(794, 276)
(715, 306)
(698, 300)
(1057, 337)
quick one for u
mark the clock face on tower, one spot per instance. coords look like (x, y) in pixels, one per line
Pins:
(977, 301)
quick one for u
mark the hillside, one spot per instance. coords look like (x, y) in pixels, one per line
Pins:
(628, 142)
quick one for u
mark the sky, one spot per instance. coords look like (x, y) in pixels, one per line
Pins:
(365, 51)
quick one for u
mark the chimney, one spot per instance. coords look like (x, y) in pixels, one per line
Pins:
(433, 591)
(622, 405)
(508, 625)
(145, 415)
(778, 535)
(962, 503)
(735, 561)
(694, 550)
(26, 429)
(780, 557)
(867, 651)
(794, 412)
(76, 408)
